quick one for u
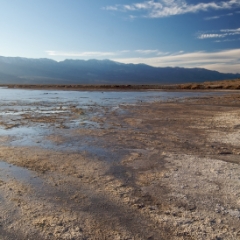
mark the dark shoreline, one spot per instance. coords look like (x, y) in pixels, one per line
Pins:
(92, 87)
(216, 85)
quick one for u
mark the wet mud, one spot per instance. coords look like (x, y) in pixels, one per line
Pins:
(140, 170)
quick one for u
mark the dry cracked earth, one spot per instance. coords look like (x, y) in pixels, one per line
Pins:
(163, 170)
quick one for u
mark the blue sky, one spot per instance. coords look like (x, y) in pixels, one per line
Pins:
(184, 33)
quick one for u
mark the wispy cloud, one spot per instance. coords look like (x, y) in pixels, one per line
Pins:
(153, 52)
(219, 16)
(111, 8)
(220, 34)
(80, 54)
(223, 61)
(237, 30)
(211, 35)
(147, 51)
(213, 17)
(227, 40)
(165, 8)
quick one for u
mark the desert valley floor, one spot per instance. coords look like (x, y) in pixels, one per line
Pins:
(168, 168)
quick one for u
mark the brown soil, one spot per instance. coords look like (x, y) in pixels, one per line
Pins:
(225, 84)
(166, 170)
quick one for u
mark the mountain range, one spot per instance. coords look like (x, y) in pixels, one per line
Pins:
(16, 70)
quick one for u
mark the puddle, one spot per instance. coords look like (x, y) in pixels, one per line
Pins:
(27, 112)
(41, 188)
(79, 123)
(9, 172)
(83, 98)
(27, 136)
(25, 131)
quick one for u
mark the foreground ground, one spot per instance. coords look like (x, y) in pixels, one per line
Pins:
(166, 170)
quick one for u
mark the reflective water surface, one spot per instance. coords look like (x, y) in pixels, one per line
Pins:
(28, 116)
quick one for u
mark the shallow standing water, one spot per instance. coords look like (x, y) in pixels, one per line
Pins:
(28, 116)
(86, 98)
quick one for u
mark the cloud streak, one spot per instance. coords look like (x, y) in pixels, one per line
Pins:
(146, 51)
(107, 54)
(221, 34)
(165, 8)
(227, 40)
(219, 16)
(223, 61)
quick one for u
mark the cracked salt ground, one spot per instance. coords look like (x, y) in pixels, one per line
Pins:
(145, 172)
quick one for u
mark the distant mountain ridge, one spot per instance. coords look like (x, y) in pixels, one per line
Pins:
(16, 70)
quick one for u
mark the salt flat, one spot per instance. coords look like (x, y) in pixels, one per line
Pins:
(119, 165)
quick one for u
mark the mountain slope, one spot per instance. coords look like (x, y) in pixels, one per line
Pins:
(46, 71)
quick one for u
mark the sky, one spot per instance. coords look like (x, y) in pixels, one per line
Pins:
(160, 33)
